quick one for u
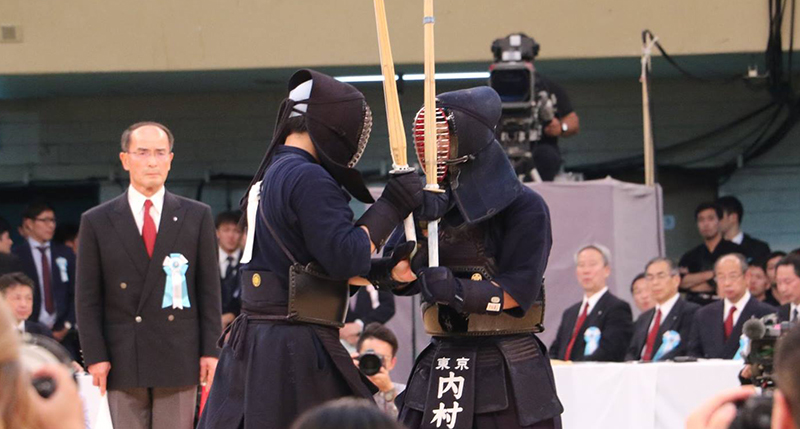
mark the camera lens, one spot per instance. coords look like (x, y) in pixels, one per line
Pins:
(370, 363)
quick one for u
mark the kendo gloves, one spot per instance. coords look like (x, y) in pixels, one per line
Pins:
(402, 194)
(380, 272)
(465, 296)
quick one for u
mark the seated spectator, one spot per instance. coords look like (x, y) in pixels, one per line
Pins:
(641, 293)
(381, 341)
(229, 237)
(599, 327)
(9, 262)
(759, 286)
(369, 305)
(345, 413)
(731, 227)
(788, 278)
(769, 267)
(17, 291)
(717, 327)
(662, 333)
(67, 234)
(697, 265)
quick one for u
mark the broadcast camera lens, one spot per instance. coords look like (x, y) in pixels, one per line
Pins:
(370, 362)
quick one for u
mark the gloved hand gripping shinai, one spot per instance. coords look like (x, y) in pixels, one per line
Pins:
(380, 272)
(402, 194)
(439, 286)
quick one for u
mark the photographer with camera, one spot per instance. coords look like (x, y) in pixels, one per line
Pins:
(720, 411)
(377, 356)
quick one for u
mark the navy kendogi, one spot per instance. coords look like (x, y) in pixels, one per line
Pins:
(282, 355)
(484, 368)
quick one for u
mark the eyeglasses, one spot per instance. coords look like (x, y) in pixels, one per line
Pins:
(46, 220)
(731, 277)
(160, 154)
(660, 276)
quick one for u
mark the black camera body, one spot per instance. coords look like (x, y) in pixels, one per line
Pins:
(370, 363)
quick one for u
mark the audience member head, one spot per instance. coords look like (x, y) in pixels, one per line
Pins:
(786, 406)
(640, 291)
(67, 234)
(39, 220)
(593, 266)
(346, 413)
(382, 341)
(708, 216)
(5, 236)
(730, 272)
(147, 155)
(771, 263)
(229, 235)
(17, 291)
(16, 408)
(732, 215)
(788, 278)
(663, 278)
(758, 282)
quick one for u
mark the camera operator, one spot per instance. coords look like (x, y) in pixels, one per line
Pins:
(565, 123)
(720, 411)
(378, 342)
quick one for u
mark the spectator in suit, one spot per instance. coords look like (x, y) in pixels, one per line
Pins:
(9, 262)
(67, 234)
(717, 327)
(788, 278)
(148, 291)
(17, 291)
(229, 236)
(599, 327)
(662, 333)
(731, 227)
(367, 306)
(759, 286)
(52, 268)
(769, 267)
(697, 265)
(641, 293)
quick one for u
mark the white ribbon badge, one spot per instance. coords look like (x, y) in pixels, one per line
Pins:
(592, 338)
(61, 262)
(252, 209)
(176, 293)
(669, 341)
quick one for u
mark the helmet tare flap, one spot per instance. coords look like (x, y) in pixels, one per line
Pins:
(443, 142)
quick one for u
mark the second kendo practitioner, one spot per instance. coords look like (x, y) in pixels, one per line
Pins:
(282, 355)
(484, 368)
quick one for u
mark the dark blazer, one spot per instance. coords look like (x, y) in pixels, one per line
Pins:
(364, 311)
(754, 249)
(120, 292)
(784, 312)
(611, 315)
(63, 291)
(707, 338)
(37, 328)
(231, 292)
(9, 263)
(679, 320)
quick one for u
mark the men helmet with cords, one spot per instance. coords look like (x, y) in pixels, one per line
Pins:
(471, 162)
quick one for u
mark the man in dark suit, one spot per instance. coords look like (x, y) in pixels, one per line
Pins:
(229, 236)
(368, 305)
(599, 327)
(148, 298)
(717, 327)
(731, 227)
(17, 291)
(662, 333)
(9, 262)
(787, 277)
(52, 268)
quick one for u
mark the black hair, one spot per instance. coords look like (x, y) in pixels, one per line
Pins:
(233, 216)
(66, 232)
(125, 140)
(346, 413)
(731, 204)
(10, 280)
(4, 226)
(33, 210)
(773, 255)
(379, 332)
(638, 277)
(791, 260)
(708, 206)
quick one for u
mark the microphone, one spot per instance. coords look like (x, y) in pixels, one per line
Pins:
(754, 329)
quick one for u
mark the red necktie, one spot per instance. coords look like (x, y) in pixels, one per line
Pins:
(578, 324)
(651, 338)
(729, 323)
(149, 229)
(46, 281)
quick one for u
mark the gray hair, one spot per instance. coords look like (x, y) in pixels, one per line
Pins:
(598, 247)
(738, 256)
(673, 269)
(125, 141)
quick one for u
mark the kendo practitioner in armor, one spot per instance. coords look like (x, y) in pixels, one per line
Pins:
(484, 368)
(282, 355)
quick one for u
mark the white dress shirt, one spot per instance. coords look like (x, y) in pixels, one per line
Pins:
(47, 319)
(738, 238)
(223, 260)
(665, 309)
(21, 327)
(739, 307)
(592, 301)
(136, 201)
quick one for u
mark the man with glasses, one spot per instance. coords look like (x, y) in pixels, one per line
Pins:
(52, 268)
(662, 333)
(148, 291)
(717, 327)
